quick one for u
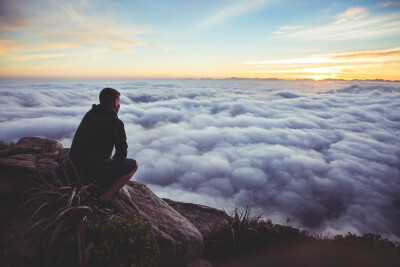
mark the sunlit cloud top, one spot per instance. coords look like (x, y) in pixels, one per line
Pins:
(217, 39)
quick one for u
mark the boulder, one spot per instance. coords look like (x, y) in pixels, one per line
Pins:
(35, 158)
(18, 165)
(199, 263)
(32, 145)
(179, 242)
(209, 221)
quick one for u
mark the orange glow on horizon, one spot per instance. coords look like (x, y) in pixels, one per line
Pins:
(379, 64)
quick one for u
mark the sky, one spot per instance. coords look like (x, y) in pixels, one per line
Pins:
(198, 39)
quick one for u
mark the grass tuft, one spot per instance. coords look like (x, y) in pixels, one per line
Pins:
(61, 212)
(244, 232)
(5, 145)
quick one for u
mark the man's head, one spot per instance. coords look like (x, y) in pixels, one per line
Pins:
(110, 96)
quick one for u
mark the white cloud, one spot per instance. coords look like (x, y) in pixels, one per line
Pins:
(353, 13)
(354, 23)
(233, 9)
(325, 154)
(290, 27)
(285, 29)
(77, 26)
(389, 3)
(38, 56)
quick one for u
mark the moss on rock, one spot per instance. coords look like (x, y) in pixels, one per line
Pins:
(124, 242)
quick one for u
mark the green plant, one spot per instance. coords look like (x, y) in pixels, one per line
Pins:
(5, 145)
(61, 214)
(243, 232)
(368, 241)
(243, 220)
(124, 242)
(60, 211)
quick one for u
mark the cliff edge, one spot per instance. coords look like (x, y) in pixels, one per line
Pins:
(180, 241)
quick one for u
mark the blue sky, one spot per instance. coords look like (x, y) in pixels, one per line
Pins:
(199, 38)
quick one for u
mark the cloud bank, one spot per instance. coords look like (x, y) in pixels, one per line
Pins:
(324, 154)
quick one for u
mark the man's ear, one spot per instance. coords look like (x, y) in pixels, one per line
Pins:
(116, 105)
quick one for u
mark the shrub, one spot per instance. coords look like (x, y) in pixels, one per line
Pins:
(61, 214)
(370, 241)
(60, 211)
(5, 145)
(124, 242)
(244, 232)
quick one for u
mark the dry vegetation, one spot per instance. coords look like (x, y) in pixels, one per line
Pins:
(72, 228)
(249, 235)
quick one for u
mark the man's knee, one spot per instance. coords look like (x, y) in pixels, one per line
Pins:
(134, 170)
(129, 175)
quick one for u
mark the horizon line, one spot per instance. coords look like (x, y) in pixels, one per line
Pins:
(190, 78)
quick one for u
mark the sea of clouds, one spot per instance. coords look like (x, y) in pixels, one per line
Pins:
(325, 155)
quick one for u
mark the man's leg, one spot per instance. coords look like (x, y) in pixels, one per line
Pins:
(118, 184)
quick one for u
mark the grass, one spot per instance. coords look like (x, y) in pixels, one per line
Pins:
(248, 233)
(5, 145)
(62, 213)
(370, 241)
(243, 233)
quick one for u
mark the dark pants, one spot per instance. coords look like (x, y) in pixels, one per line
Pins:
(114, 169)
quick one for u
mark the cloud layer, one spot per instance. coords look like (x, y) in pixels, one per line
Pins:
(324, 154)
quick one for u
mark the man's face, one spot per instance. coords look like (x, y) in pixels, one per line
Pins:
(117, 105)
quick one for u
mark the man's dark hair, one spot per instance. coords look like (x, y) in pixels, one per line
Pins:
(108, 96)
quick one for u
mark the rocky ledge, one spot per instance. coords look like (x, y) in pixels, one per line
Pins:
(180, 226)
(182, 229)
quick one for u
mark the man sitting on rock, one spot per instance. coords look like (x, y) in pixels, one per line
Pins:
(94, 140)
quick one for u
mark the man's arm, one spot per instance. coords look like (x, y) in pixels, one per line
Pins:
(121, 147)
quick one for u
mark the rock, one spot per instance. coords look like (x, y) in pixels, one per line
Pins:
(35, 158)
(180, 240)
(32, 145)
(199, 263)
(16, 248)
(209, 221)
(19, 165)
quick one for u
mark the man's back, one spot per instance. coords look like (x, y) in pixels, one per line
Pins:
(94, 141)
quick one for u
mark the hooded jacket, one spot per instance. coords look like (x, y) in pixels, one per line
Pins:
(99, 131)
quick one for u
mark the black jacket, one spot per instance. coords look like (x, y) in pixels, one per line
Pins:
(94, 141)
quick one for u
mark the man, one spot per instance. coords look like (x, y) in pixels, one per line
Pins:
(94, 140)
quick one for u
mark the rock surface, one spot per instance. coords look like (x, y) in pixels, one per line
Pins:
(209, 221)
(18, 165)
(199, 263)
(180, 239)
